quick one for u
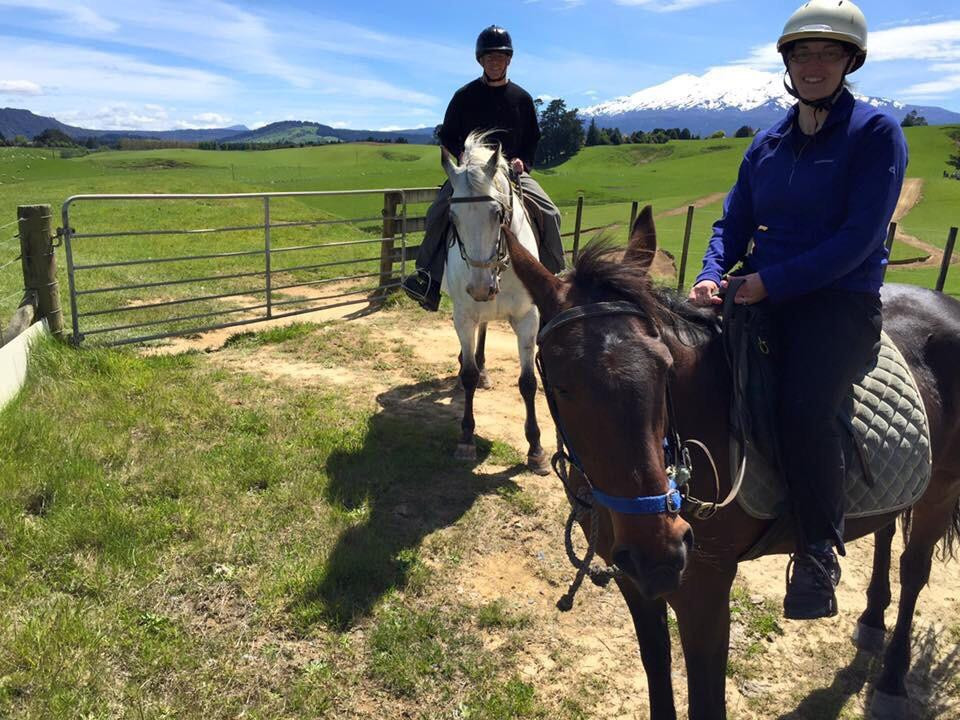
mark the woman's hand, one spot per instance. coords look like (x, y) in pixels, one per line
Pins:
(517, 165)
(751, 291)
(705, 293)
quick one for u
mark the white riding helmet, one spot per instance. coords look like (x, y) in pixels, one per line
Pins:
(839, 20)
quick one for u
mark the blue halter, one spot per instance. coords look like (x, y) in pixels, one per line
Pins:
(679, 466)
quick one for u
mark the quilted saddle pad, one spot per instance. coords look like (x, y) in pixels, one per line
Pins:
(888, 421)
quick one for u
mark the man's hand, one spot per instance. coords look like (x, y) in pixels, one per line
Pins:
(705, 293)
(517, 165)
(751, 291)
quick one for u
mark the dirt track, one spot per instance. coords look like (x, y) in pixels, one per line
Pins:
(808, 672)
(909, 196)
(522, 563)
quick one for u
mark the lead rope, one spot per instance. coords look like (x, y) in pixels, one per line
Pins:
(579, 507)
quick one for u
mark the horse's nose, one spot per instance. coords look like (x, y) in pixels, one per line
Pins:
(654, 575)
(483, 293)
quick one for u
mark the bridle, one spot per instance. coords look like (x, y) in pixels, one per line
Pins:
(499, 259)
(677, 500)
(678, 472)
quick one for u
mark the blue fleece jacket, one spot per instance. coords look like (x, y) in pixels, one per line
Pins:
(817, 207)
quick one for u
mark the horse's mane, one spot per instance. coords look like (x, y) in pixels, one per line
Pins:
(600, 272)
(476, 154)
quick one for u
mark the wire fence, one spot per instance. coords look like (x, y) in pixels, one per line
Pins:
(11, 275)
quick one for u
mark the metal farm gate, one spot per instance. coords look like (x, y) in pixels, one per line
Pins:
(146, 267)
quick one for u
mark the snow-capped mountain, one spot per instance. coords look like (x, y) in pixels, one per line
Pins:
(723, 99)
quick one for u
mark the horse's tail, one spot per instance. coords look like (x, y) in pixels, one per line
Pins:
(947, 547)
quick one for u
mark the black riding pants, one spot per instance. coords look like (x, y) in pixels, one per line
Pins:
(432, 255)
(825, 341)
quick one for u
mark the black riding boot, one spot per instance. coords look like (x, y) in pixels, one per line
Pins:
(811, 588)
(423, 288)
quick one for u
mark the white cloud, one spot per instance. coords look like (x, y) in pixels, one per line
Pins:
(66, 15)
(19, 87)
(71, 70)
(211, 120)
(119, 116)
(591, 93)
(934, 88)
(545, 98)
(937, 44)
(666, 6)
(933, 41)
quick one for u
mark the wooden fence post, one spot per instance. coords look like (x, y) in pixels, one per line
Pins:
(39, 263)
(391, 201)
(576, 228)
(686, 248)
(945, 264)
(633, 217)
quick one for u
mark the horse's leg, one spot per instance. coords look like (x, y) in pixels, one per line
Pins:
(484, 382)
(650, 622)
(931, 518)
(702, 605)
(869, 634)
(526, 330)
(469, 377)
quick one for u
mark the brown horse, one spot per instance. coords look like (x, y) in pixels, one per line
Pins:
(626, 365)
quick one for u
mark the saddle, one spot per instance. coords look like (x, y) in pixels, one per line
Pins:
(887, 448)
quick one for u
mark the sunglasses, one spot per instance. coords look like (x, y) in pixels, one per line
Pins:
(829, 55)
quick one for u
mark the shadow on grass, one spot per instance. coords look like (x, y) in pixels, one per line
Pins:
(402, 479)
(931, 683)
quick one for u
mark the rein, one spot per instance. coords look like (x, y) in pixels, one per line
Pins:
(677, 500)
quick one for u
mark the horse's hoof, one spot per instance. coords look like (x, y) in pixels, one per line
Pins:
(869, 639)
(483, 383)
(539, 463)
(465, 451)
(888, 707)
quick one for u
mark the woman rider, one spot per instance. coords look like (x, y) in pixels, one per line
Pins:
(815, 193)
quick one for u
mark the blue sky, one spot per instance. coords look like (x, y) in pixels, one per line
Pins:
(374, 64)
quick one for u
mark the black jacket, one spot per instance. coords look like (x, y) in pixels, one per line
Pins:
(507, 109)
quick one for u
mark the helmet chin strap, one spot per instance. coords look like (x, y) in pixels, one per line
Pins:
(487, 79)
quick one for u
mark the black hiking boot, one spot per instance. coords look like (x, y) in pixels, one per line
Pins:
(810, 589)
(421, 288)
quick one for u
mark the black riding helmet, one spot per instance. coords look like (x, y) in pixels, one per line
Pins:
(494, 39)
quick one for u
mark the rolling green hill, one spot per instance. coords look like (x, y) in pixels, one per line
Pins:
(668, 176)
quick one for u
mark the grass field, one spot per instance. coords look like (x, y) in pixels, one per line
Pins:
(189, 536)
(668, 176)
(192, 537)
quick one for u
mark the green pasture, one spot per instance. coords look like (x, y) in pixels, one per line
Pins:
(200, 543)
(185, 537)
(610, 178)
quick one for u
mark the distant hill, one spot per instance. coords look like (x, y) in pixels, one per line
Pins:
(298, 131)
(723, 99)
(15, 122)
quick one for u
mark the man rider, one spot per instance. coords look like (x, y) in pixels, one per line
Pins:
(491, 102)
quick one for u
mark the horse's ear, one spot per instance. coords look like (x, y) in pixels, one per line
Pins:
(544, 287)
(490, 169)
(643, 240)
(447, 161)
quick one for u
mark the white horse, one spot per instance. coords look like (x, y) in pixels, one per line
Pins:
(482, 283)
